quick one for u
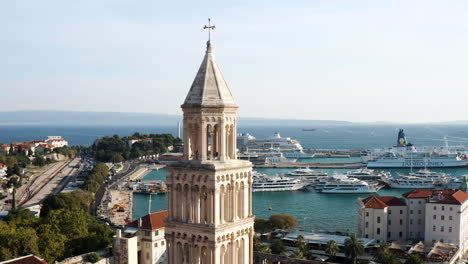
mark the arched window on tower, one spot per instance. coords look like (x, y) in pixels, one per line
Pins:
(209, 141)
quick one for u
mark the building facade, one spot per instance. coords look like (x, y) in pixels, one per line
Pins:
(210, 191)
(420, 215)
(142, 241)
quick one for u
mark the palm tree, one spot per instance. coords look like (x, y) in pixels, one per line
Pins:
(331, 248)
(302, 246)
(353, 248)
(278, 247)
(381, 253)
(384, 255)
(414, 259)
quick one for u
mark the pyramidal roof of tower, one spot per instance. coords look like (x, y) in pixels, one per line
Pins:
(209, 89)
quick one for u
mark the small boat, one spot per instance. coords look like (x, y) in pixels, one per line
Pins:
(309, 129)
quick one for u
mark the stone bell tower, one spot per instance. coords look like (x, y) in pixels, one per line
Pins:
(210, 192)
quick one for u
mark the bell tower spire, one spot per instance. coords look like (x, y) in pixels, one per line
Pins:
(210, 191)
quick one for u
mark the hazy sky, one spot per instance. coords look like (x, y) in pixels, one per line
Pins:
(375, 60)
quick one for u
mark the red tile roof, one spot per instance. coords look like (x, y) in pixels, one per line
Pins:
(30, 259)
(150, 222)
(427, 193)
(458, 197)
(380, 202)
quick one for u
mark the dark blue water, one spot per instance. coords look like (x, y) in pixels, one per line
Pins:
(352, 136)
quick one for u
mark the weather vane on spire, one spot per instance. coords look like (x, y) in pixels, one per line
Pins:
(209, 27)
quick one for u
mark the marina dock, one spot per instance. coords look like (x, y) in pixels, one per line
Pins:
(314, 165)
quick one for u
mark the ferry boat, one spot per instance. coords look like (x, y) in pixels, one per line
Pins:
(344, 184)
(411, 182)
(368, 175)
(264, 183)
(405, 155)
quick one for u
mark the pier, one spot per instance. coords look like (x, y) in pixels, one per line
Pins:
(314, 165)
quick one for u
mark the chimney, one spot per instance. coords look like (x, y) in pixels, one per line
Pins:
(140, 222)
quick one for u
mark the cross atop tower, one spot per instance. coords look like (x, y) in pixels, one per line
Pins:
(209, 27)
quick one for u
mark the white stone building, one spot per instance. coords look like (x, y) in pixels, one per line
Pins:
(142, 241)
(210, 191)
(420, 215)
(56, 141)
(383, 218)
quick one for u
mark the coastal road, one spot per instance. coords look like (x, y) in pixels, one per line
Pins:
(46, 183)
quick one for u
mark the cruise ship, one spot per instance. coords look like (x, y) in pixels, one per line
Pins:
(405, 155)
(264, 183)
(341, 183)
(369, 175)
(248, 143)
(411, 182)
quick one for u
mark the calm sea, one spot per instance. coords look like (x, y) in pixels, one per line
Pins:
(314, 211)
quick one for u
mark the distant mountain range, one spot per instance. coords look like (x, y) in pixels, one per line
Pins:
(78, 118)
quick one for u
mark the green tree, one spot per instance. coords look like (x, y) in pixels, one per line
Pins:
(262, 225)
(302, 246)
(260, 247)
(283, 221)
(414, 259)
(21, 217)
(383, 255)
(93, 257)
(51, 244)
(353, 248)
(332, 248)
(278, 247)
(77, 199)
(16, 242)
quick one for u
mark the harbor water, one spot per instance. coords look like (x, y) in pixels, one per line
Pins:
(314, 211)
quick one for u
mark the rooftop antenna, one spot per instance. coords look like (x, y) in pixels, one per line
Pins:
(209, 27)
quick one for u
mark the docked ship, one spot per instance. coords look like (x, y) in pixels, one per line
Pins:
(269, 157)
(248, 143)
(264, 183)
(308, 175)
(368, 175)
(437, 177)
(405, 155)
(341, 183)
(411, 182)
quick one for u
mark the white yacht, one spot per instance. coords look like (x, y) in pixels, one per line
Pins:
(307, 172)
(308, 175)
(368, 175)
(411, 182)
(344, 184)
(265, 183)
(438, 177)
(455, 183)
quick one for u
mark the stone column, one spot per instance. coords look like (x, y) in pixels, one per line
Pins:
(234, 140)
(203, 140)
(216, 208)
(250, 246)
(222, 141)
